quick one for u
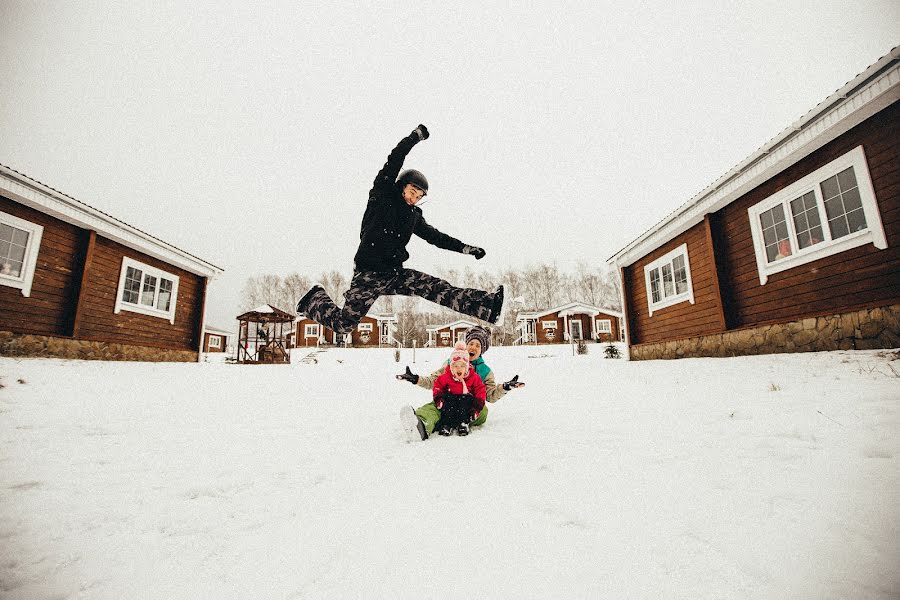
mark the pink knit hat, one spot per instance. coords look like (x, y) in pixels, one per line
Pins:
(459, 353)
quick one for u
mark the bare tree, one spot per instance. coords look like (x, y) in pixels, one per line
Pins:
(408, 321)
(544, 285)
(588, 286)
(260, 290)
(335, 283)
(612, 289)
(293, 288)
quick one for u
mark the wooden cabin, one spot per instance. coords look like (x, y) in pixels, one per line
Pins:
(569, 322)
(374, 330)
(795, 249)
(78, 283)
(441, 336)
(216, 339)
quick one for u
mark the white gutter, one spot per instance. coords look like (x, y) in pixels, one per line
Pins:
(870, 92)
(45, 199)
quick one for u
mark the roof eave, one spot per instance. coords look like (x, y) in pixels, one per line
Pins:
(873, 90)
(40, 197)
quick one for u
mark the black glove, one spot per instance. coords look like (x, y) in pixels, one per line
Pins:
(512, 383)
(409, 376)
(422, 132)
(475, 251)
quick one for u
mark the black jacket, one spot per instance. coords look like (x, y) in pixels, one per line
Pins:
(389, 221)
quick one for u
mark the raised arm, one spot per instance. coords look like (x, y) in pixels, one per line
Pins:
(387, 176)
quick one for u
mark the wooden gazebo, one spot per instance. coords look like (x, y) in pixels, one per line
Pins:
(261, 336)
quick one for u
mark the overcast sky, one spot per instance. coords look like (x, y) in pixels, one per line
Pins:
(249, 134)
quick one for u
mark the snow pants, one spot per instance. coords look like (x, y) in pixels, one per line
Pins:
(367, 286)
(431, 416)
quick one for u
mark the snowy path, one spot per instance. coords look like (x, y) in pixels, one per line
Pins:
(758, 477)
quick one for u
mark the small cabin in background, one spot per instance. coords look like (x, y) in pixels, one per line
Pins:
(216, 339)
(569, 322)
(446, 335)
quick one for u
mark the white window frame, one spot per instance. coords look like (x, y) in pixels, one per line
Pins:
(461, 336)
(445, 335)
(549, 324)
(141, 308)
(215, 341)
(311, 330)
(659, 263)
(604, 326)
(23, 281)
(365, 327)
(874, 232)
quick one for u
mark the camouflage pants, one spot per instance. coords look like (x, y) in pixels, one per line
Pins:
(367, 286)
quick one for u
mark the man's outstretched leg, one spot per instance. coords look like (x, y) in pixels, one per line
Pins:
(468, 301)
(365, 288)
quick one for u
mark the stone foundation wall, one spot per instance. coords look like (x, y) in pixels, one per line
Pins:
(13, 344)
(862, 330)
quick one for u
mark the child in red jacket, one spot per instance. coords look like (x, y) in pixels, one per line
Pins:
(459, 393)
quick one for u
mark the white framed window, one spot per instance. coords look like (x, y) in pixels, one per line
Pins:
(830, 210)
(461, 336)
(146, 290)
(604, 326)
(365, 327)
(215, 341)
(548, 324)
(445, 335)
(20, 241)
(311, 330)
(668, 280)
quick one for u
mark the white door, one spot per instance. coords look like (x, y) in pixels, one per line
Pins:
(575, 330)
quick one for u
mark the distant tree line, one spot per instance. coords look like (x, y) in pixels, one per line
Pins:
(539, 287)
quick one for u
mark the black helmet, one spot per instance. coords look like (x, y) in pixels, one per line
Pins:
(414, 177)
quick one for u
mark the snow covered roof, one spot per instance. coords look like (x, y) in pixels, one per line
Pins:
(36, 195)
(871, 91)
(268, 313)
(217, 331)
(567, 310)
(383, 316)
(459, 324)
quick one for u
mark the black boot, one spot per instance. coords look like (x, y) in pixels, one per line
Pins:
(497, 308)
(304, 301)
(463, 429)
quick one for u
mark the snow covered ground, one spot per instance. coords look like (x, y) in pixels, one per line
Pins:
(759, 477)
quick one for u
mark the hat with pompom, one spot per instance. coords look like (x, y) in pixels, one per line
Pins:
(459, 353)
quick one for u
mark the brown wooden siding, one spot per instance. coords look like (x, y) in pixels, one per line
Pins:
(302, 341)
(587, 328)
(222, 343)
(49, 310)
(99, 321)
(356, 337)
(614, 336)
(858, 278)
(439, 342)
(683, 319)
(541, 335)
